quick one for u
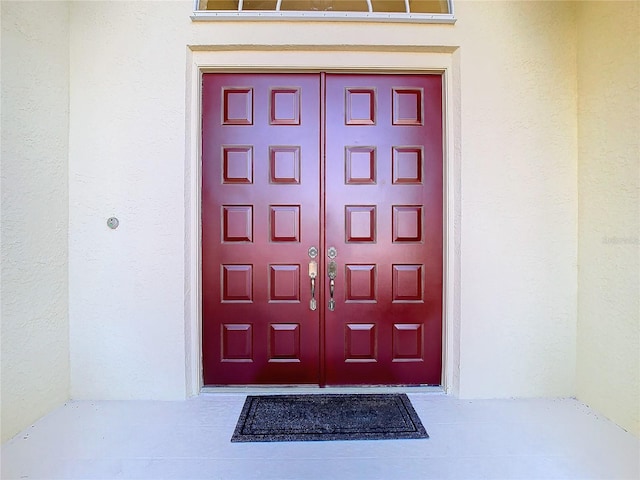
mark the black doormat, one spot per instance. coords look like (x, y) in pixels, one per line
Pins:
(283, 418)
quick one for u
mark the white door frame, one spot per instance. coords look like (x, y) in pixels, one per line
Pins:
(257, 59)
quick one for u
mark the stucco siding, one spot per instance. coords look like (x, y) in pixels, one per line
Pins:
(99, 119)
(35, 116)
(608, 373)
(516, 132)
(127, 159)
(519, 199)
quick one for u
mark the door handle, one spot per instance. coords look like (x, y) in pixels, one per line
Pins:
(313, 273)
(332, 272)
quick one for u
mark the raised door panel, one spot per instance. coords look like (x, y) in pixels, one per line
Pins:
(384, 216)
(260, 214)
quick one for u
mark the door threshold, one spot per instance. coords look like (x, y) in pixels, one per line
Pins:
(311, 389)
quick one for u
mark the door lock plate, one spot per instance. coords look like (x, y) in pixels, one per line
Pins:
(313, 269)
(332, 270)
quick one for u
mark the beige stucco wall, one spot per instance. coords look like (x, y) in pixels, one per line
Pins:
(127, 159)
(34, 212)
(519, 198)
(608, 373)
(530, 85)
(513, 130)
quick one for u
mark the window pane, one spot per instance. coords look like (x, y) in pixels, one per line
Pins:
(219, 4)
(259, 5)
(429, 6)
(394, 6)
(325, 5)
(388, 6)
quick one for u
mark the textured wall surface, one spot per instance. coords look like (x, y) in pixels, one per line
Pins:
(608, 373)
(516, 132)
(35, 98)
(127, 156)
(519, 199)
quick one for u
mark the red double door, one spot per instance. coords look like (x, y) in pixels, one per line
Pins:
(332, 174)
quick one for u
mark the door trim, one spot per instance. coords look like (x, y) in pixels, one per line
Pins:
(371, 60)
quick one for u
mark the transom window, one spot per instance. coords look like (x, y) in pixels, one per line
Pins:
(440, 11)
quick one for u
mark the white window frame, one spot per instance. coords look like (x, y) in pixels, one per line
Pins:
(277, 14)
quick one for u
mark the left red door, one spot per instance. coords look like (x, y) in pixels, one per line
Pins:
(260, 216)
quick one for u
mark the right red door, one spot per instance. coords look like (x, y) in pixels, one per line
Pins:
(384, 220)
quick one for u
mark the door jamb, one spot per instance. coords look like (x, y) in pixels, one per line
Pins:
(323, 59)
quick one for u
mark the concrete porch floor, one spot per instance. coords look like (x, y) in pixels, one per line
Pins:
(470, 439)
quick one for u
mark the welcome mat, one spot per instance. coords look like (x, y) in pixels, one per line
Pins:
(283, 418)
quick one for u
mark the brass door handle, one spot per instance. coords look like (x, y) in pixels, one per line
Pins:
(313, 273)
(332, 271)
